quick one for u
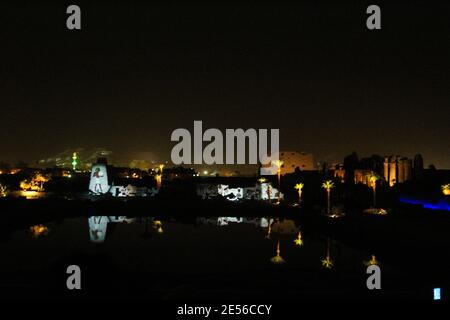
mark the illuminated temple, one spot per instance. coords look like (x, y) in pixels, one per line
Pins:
(397, 169)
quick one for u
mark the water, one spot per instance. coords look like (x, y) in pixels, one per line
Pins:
(225, 257)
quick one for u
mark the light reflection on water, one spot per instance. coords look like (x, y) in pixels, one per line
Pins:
(220, 253)
(219, 242)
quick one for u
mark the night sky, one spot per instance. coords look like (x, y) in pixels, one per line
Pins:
(136, 71)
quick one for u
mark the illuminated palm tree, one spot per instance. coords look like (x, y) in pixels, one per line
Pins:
(299, 187)
(446, 189)
(278, 259)
(328, 185)
(373, 177)
(328, 262)
(278, 163)
(372, 262)
(159, 176)
(298, 241)
(39, 180)
(158, 181)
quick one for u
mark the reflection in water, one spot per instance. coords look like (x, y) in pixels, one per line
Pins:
(225, 221)
(146, 234)
(30, 195)
(278, 259)
(298, 241)
(39, 230)
(328, 262)
(157, 224)
(269, 230)
(284, 226)
(372, 262)
(98, 226)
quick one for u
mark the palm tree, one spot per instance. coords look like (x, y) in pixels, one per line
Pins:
(328, 185)
(373, 177)
(372, 262)
(39, 180)
(159, 176)
(278, 259)
(279, 163)
(299, 241)
(158, 181)
(299, 187)
(328, 262)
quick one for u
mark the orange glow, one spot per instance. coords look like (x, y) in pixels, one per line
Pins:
(3, 191)
(31, 194)
(66, 174)
(38, 230)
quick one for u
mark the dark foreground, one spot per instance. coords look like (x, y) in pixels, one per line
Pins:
(195, 258)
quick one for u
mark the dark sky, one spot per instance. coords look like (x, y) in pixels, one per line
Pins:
(137, 71)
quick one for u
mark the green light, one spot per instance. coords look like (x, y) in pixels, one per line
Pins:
(74, 162)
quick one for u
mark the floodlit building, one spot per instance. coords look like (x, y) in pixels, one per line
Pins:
(339, 172)
(98, 226)
(99, 185)
(363, 176)
(397, 169)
